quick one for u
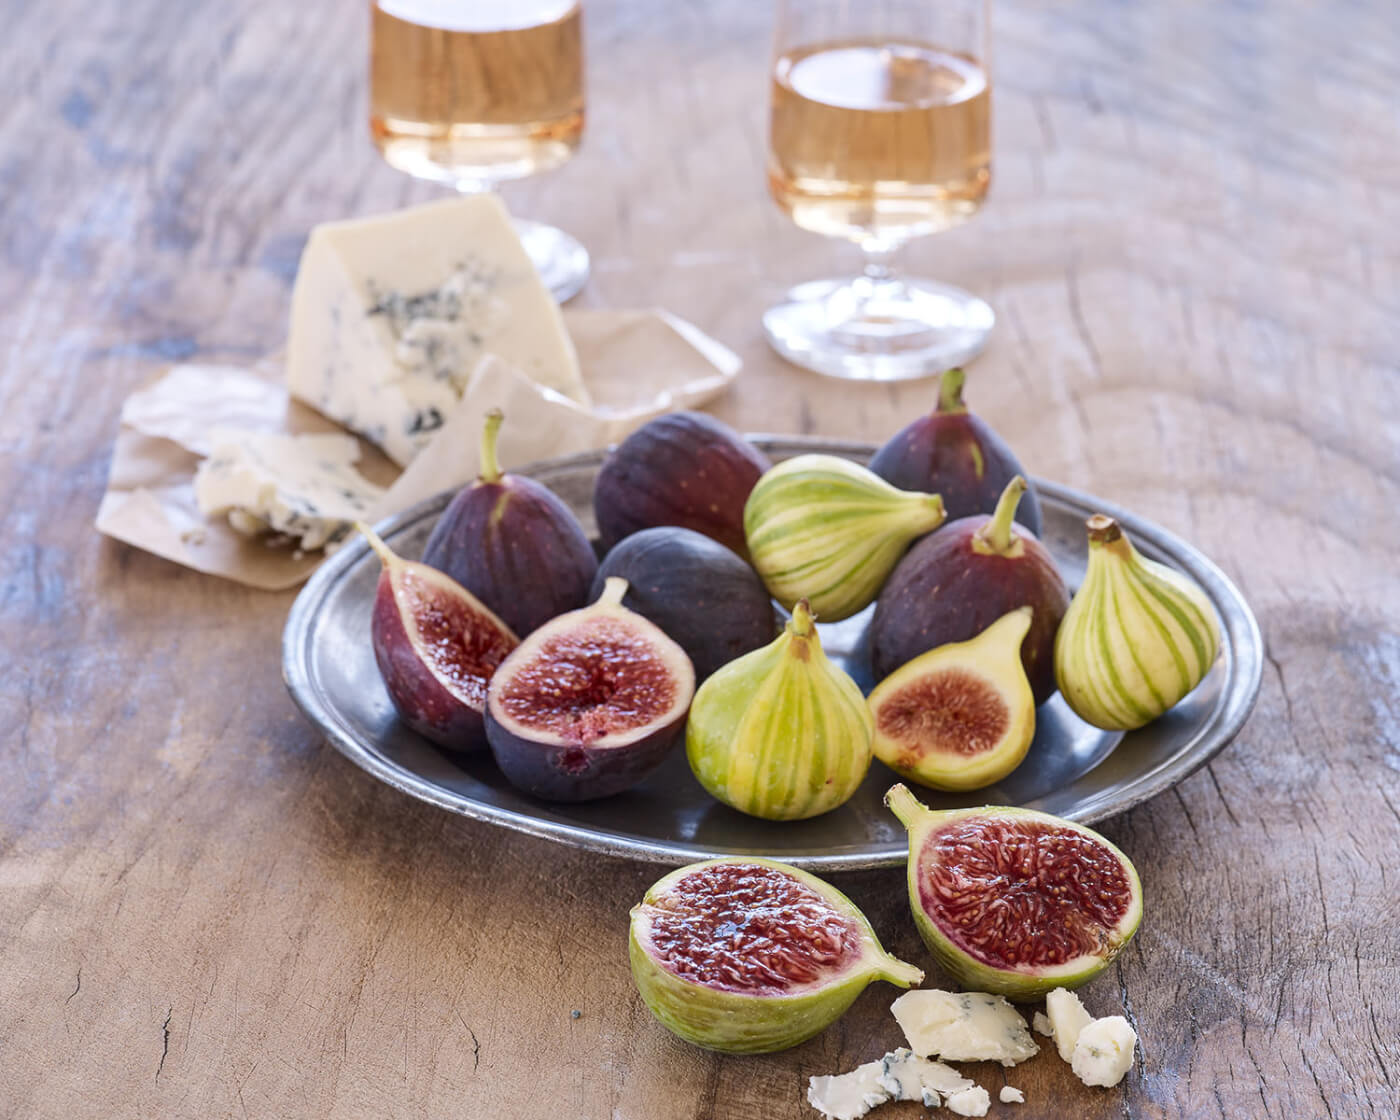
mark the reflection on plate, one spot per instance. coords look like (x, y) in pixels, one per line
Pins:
(1072, 769)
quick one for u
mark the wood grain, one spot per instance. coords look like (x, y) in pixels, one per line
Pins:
(1191, 244)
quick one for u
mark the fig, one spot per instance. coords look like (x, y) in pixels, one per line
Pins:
(957, 582)
(825, 529)
(683, 468)
(588, 704)
(781, 733)
(1137, 637)
(437, 646)
(1013, 901)
(960, 716)
(955, 453)
(748, 955)
(513, 543)
(699, 592)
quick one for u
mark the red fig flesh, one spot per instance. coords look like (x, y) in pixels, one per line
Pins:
(956, 582)
(683, 468)
(589, 703)
(954, 453)
(437, 647)
(513, 543)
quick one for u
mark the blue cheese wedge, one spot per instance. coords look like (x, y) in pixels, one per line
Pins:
(392, 314)
(1103, 1052)
(301, 487)
(963, 1027)
(848, 1096)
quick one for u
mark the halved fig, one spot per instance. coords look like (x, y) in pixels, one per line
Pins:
(1013, 901)
(589, 703)
(749, 955)
(961, 716)
(436, 646)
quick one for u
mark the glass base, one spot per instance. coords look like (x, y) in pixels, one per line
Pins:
(866, 329)
(559, 258)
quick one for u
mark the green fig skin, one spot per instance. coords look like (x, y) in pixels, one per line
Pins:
(1017, 985)
(781, 733)
(734, 1023)
(1137, 637)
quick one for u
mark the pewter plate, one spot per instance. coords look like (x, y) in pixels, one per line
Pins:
(1073, 770)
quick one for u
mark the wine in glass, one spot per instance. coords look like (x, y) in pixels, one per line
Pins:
(476, 92)
(880, 132)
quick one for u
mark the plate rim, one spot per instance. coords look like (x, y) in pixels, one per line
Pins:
(1239, 694)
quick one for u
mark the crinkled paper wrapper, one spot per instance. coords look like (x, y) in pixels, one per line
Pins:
(636, 365)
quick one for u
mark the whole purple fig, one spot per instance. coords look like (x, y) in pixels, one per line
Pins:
(954, 453)
(514, 544)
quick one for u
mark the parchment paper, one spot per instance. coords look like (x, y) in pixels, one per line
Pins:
(637, 365)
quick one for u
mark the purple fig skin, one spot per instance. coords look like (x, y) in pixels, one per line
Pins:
(702, 595)
(954, 453)
(945, 590)
(515, 545)
(683, 468)
(453, 719)
(595, 671)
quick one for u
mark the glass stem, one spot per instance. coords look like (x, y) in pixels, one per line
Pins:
(879, 261)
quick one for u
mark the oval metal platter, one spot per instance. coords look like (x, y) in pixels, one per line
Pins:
(1073, 770)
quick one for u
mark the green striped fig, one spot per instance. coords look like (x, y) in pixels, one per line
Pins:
(781, 733)
(1013, 901)
(1138, 636)
(748, 955)
(828, 530)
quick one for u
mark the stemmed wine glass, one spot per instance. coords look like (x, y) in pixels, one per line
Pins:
(880, 132)
(476, 92)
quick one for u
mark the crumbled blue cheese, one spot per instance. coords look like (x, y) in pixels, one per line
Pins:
(1104, 1051)
(392, 314)
(908, 1077)
(848, 1096)
(1067, 1018)
(302, 487)
(1042, 1025)
(1011, 1095)
(970, 1102)
(963, 1027)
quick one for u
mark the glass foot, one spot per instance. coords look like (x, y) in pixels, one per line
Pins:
(867, 329)
(560, 259)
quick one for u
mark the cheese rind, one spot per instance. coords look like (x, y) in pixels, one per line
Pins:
(391, 314)
(1104, 1051)
(963, 1027)
(301, 486)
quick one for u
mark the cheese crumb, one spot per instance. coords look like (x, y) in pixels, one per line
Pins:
(970, 1102)
(1067, 1018)
(1010, 1095)
(1104, 1051)
(1042, 1025)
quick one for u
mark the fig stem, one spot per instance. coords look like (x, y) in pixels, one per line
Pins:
(613, 591)
(386, 554)
(802, 619)
(950, 389)
(997, 533)
(1103, 529)
(899, 972)
(490, 463)
(904, 804)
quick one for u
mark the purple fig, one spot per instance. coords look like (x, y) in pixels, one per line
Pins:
(956, 582)
(436, 646)
(588, 704)
(683, 468)
(702, 595)
(954, 453)
(513, 543)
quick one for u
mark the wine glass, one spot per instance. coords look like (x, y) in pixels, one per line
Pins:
(477, 92)
(880, 132)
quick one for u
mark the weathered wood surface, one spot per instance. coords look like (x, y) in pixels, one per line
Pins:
(205, 911)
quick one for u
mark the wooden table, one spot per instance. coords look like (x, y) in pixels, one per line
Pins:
(205, 911)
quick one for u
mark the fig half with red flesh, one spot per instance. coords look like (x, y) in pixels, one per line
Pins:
(436, 646)
(588, 704)
(749, 955)
(513, 543)
(957, 581)
(954, 453)
(1016, 902)
(683, 468)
